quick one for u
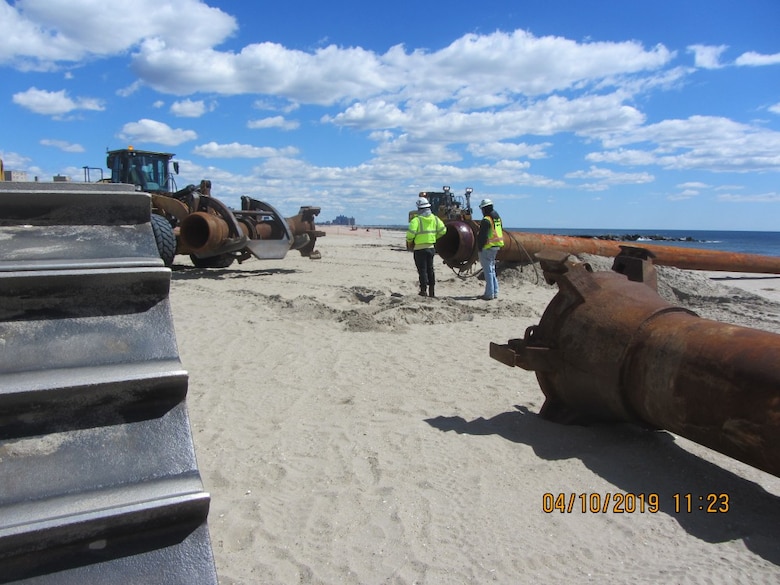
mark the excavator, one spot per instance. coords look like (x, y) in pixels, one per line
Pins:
(191, 221)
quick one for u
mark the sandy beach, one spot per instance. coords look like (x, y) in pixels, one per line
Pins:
(352, 432)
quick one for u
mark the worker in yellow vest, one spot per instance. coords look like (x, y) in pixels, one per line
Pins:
(424, 229)
(490, 240)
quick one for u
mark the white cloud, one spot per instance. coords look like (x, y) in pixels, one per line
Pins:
(400, 150)
(507, 63)
(621, 156)
(589, 115)
(292, 182)
(189, 108)
(323, 77)
(54, 103)
(758, 198)
(39, 34)
(606, 177)
(707, 56)
(273, 122)
(271, 105)
(146, 130)
(501, 150)
(757, 59)
(701, 142)
(14, 160)
(236, 150)
(775, 109)
(62, 145)
(130, 89)
(519, 62)
(684, 194)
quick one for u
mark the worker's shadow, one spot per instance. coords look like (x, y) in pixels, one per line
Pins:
(181, 272)
(638, 461)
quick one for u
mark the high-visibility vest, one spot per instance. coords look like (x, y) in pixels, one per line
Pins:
(429, 229)
(496, 234)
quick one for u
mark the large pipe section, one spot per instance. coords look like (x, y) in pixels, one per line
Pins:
(610, 349)
(202, 232)
(458, 249)
(257, 228)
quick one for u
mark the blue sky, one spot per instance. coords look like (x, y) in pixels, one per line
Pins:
(587, 113)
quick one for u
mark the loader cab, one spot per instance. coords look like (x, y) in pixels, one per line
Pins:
(446, 205)
(148, 171)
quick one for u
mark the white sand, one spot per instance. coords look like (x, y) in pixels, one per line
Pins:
(351, 432)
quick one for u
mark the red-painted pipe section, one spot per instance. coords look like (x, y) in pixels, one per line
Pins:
(458, 250)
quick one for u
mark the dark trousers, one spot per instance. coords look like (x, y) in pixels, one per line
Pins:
(423, 259)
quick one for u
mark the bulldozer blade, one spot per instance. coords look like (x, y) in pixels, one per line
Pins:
(98, 477)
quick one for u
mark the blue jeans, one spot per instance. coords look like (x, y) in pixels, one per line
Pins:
(487, 258)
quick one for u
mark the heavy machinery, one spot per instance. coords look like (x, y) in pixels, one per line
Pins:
(447, 206)
(609, 348)
(191, 221)
(99, 482)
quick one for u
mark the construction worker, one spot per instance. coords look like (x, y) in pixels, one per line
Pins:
(490, 240)
(424, 229)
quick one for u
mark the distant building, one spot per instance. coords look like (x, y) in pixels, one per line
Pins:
(343, 220)
(61, 179)
(14, 176)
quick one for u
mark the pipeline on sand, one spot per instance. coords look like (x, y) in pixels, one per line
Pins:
(610, 349)
(458, 249)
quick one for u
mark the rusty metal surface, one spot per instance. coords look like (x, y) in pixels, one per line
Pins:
(610, 349)
(257, 229)
(458, 250)
(98, 477)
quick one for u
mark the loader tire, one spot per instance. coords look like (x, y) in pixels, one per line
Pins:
(165, 239)
(219, 261)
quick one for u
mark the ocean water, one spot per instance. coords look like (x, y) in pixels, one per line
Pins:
(765, 243)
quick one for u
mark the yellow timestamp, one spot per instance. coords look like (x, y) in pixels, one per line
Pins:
(595, 503)
(631, 503)
(712, 503)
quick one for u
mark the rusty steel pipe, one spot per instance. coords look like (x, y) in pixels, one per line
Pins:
(201, 231)
(458, 250)
(610, 349)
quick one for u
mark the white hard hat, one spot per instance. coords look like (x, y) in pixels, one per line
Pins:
(485, 203)
(422, 203)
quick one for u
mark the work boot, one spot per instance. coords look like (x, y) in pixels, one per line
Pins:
(422, 292)
(430, 291)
